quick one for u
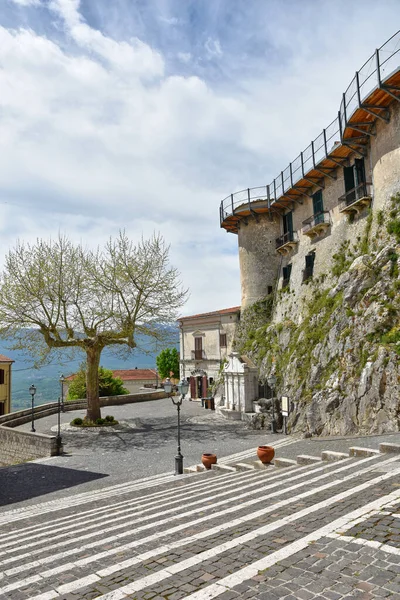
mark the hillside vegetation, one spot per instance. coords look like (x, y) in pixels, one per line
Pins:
(336, 355)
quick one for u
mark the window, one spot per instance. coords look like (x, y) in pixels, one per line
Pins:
(198, 348)
(269, 290)
(318, 207)
(354, 181)
(286, 272)
(288, 227)
(1, 376)
(222, 340)
(308, 271)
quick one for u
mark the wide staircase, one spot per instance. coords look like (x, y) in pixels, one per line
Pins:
(322, 527)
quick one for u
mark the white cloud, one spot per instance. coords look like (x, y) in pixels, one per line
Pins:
(213, 48)
(184, 57)
(98, 132)
(27, 2)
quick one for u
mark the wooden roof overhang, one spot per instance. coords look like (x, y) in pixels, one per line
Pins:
(353, 131)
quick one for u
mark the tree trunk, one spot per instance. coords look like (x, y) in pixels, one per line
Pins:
(92, 384)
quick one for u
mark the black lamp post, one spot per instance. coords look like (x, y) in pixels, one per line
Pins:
(32, 391)
(272, 383)
(183, 388)
(62, 379)
(58, 438)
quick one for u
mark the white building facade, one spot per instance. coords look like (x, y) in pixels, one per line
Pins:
(205, 344)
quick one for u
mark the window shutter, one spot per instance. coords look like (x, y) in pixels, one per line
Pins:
(204, 386)
(193, 387)
(349, 183)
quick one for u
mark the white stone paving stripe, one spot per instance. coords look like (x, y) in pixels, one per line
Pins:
(257, 532)
(152, 525)
(79, 499)
(229, 582)
(134, 505)
(120, 488)
(130, 501)
(252, 570)
(368, 543)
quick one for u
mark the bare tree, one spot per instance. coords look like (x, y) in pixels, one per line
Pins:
(56, 295)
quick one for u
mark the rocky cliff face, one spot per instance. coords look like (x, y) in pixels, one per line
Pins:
(336, 352)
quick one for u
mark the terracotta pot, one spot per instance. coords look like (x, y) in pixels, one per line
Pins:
(265, 453)
(208, 460)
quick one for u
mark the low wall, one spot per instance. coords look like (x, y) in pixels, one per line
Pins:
(18, 446)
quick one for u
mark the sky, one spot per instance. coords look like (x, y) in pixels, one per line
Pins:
(144, 115)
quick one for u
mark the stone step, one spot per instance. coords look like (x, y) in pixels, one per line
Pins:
(305, 459)
(330, 455)
(387, 447)
(284, 462)
(194, 469)
(259, 465)
(223, 468)
(243, 466)
(359, 451)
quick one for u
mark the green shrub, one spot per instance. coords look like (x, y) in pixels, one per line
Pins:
(77, 421)
(110, 418)
(100, 421)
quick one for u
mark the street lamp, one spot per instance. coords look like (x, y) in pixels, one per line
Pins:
(183, 388)
(32, 391)
(58, 438)
(62, 379)
(272, 383)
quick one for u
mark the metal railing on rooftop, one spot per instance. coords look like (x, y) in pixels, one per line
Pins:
(372, 75)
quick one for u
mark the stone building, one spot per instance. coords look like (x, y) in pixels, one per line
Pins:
(205, 342)
(288, 231)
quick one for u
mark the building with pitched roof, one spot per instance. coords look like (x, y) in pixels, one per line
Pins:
(205, 343)
(5, 384)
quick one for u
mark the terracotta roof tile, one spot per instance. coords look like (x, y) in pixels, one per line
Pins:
(128, 374)
(4, 358)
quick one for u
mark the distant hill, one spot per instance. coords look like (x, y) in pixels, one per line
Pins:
(46, 379)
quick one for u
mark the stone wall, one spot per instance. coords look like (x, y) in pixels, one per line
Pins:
(20, 446)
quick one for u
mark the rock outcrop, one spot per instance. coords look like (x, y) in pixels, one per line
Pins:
(336, 354)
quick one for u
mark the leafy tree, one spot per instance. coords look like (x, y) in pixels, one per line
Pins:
(108, 385)
(168, 363)
(56, 295)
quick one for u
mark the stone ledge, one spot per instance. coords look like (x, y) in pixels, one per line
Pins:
(330, 455)
(284, 462)
(305, 459)
(243, 467)
(222, 468)
(359, 451)
(387, 447)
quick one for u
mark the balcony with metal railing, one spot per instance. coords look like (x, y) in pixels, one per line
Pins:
(285, 243)
(356, 199)
(375, 85)
(316, 224)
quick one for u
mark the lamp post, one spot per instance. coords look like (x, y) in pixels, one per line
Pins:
(32, 391)
(62, 379)
(183, 387)
(58, 438)
(272, 383)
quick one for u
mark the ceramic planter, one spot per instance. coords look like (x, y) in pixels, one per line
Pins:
(208, 460)
(265, 454)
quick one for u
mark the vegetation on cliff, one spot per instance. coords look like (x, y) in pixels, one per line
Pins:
(336, 357)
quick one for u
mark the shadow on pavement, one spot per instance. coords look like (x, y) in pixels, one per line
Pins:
(22, 482)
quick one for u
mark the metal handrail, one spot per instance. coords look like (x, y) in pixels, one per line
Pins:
(362, 190)
(315, 219)
(375, 71)
(289, 236)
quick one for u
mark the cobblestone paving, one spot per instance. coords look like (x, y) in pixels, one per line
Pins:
(321, 531)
